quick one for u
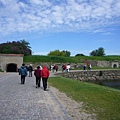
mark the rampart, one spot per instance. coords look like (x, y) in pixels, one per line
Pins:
(103, 64)
(93, 76)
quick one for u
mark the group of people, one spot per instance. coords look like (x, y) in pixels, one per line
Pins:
(87, 67)
(65, 68)
(39, 73)
(53, 68)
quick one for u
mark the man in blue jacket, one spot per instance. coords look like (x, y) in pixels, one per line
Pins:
(23, 73)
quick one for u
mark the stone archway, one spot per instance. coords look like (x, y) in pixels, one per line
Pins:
(114, 66)
(11, 67)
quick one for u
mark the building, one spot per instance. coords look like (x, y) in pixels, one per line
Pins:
(10, 62)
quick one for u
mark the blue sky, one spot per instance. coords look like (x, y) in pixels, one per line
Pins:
(78, 26)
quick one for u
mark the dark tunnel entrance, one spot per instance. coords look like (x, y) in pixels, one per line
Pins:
(11, 67)
(114, 66)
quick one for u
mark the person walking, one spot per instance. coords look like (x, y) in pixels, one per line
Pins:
(84, 67)
(23, 73)
(68, 68)
(89, 67)
(64, 68)
(56, 68)
(30, 70)
(45, 74)
(37, 74)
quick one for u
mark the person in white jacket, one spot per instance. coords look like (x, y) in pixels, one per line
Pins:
(68, 68)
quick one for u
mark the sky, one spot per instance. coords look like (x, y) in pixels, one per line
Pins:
(78, 26)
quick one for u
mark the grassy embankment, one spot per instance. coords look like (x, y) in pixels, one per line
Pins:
(80, 59)
(101, 100)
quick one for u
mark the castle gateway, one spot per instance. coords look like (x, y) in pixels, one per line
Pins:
(11, 62)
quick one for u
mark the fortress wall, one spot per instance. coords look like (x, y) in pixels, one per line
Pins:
(92, 76)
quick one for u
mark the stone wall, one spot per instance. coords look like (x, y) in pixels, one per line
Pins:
(92, 76)
(94, 63)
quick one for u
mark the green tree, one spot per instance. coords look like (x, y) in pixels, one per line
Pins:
(55, 53)
(98, 52)
(66, 53)
(25, 43)
(79, 55)
(16, 47)
(59, 53)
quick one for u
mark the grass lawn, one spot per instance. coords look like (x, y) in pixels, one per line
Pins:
(101, 100)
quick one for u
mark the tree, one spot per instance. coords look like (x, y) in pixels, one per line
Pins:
(98, 52)
(79, 55)
(67, 53)
(25, 43)
(19, 47)
(55, 53)
(60, 53)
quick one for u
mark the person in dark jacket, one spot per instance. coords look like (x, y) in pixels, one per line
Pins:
(45, 74)
(30, 70)
(23, 73)
(56, 68)
(37, 74)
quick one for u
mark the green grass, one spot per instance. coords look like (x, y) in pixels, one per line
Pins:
(59, 59)
(101, 58)
(39, 58)
(101, 100)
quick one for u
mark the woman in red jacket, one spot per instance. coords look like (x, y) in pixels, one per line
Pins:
(45, 74)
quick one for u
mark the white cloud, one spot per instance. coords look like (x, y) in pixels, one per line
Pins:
(57, 15)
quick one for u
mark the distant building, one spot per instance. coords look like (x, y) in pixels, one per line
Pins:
(11, 62)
